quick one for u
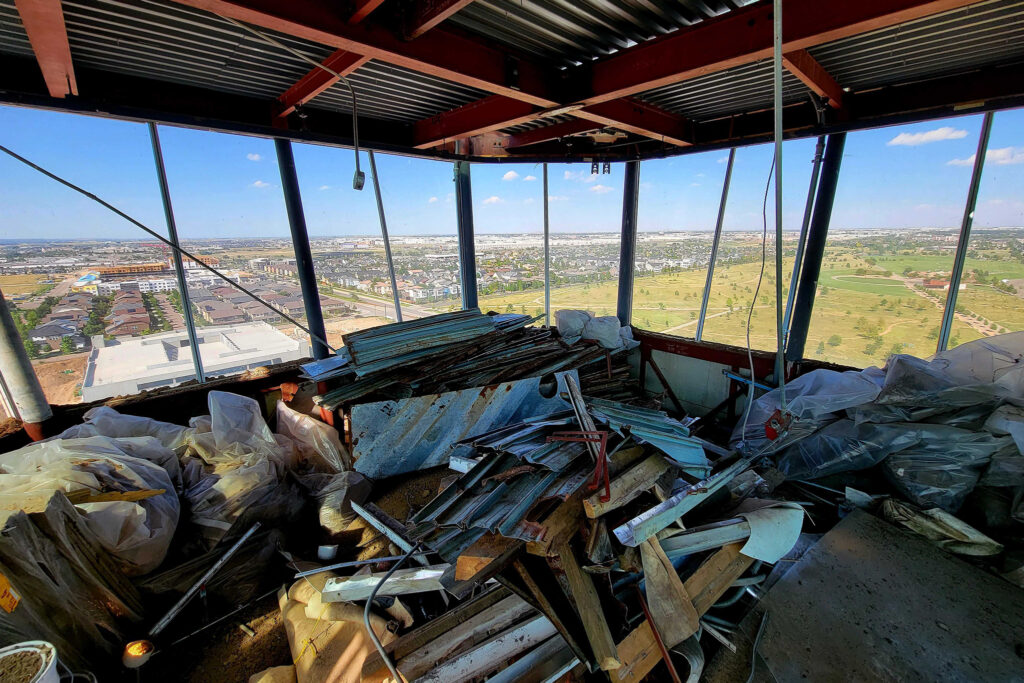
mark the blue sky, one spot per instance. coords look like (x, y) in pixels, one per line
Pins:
(228, 185)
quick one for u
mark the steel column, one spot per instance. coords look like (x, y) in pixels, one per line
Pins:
(965, 233)
(780, 335)
(26, 393)
(467, 248)
(816, 235)
(714, 245)
(300, 242)
(179, 266)
(627, 244)
(387, 240)
(819, 151)
(547, 254)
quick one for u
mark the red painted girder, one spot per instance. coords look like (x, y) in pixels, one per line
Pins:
(318, 80)
(426, 14)
(482, 116)
(639, 117)
(44, 24)
(801, 64)
(552, 132)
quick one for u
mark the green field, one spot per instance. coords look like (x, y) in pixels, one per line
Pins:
(861, 315)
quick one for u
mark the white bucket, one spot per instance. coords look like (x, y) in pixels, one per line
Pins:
(48, 670)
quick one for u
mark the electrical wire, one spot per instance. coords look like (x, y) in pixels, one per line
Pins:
(359, 178)
(750, 312)
(158, 236)
(757, 643)
(366, 614)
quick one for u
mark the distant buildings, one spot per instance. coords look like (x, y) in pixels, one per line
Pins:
(126, 367)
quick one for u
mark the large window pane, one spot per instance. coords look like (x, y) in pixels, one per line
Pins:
(585, 211)
(89, 291)
(508, 218)
(894, 231)
(419, 198)
(230, 213)
(989, 301)
(346, 241)
(678, 207)
(738, 268)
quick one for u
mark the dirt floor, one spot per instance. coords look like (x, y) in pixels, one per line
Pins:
(224, 653)
(61, 376)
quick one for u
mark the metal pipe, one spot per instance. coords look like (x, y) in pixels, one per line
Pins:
(627, 243)
(300, 243)
(191, 592)
(714, 244)
(547, 254)
(817, 233)
(387, 240)
(179, 266)
(27, 394)
(965, 234)
(780, 337)
(819, 151)
(467, 248)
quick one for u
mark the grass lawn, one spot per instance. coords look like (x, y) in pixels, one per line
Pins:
(24, 284)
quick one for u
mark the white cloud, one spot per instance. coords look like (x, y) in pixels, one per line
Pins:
(694, 184)
(325, 187)
(581, 176)
(601, 189)
(700, 175)
(724, 159)
(937, 135)
(252, 156)
(1004, 156)
(529, 178)
(494, 199)
(432, 200)
(510, 175)
(260, 184)
(528, 200)
(557, 198)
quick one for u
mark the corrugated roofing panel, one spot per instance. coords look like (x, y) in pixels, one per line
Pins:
(12, 33)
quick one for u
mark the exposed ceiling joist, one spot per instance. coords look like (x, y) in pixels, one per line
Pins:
(801, 64)
(426, 14)
(552, 132)
(437, 53)
(318, 80)
(744, 36)
(474, 118)
(640, 118)
(44, 24)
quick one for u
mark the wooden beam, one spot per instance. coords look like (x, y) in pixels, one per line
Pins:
(743, 37)
(801, 64)
(640, 118)
(363, 9)
(627, 486)
(476, 557)
(439, 53)
(588, 606)
(671, 607)
(482, 116)
(44, 24)
(317, 80)
(552, 132)
(426, 14)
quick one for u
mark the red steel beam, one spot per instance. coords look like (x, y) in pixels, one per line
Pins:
(552, 132)
(363, 9)
(438, 53)
(639, 117)
(801, 64)
(744, 36)
(318, 80)
(475, 118)
(44, 24)
(426, 14)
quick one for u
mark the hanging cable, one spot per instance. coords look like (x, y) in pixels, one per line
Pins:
(156, 235)
(359, 179)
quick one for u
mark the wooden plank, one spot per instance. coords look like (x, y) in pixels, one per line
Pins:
(402, 582)
(476, 557)
(669, 603)
(588, 606)
(639, 652)
(470, 632)
(561, 525)
(412, 641)
(627, 486)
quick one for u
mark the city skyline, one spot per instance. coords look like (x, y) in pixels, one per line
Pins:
(227, 186)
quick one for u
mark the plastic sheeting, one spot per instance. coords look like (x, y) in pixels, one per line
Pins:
(842, 446)
(105, 421)
(136, 534)
(317, 443)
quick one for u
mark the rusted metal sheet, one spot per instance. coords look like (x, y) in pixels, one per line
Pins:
(394, 437)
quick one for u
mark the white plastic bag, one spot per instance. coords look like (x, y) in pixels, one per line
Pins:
(604, 330)
(570, 324)
(136, 534)
(105, 421)
(316, 442)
